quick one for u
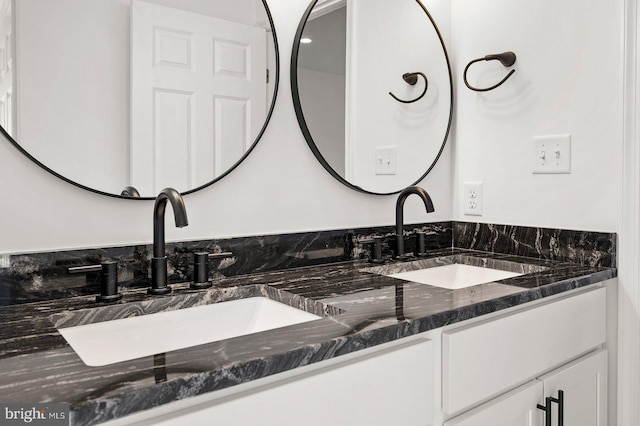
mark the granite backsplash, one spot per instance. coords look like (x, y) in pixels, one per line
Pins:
(44, 276)
(583, 247)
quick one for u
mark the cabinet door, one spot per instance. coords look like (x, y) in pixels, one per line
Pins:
(516, 408)
(584, 386)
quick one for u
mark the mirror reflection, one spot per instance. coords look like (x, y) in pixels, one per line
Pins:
(148, 94)
(360, 69)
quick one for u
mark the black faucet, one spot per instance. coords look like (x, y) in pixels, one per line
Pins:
(159, 261)
(399, 215)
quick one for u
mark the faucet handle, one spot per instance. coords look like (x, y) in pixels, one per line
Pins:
(108, 279)
(109, 282)
(201, 267)
(200, 271)
(375, 248)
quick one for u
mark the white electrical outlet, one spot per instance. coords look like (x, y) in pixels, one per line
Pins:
(386, 160)
(551, 154)
(473, 198)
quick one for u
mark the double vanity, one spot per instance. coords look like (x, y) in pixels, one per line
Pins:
(444, 339)
(469, 324)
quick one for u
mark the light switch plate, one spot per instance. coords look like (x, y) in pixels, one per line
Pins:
(551, 154)
(386, 160)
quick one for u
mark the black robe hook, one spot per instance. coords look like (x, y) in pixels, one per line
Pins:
(507, 59)
(412, 78)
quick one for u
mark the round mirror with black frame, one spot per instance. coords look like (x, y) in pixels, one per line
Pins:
(372, 90)
(127, 97)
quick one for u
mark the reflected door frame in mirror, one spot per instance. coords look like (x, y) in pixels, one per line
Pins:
(234, 59)
(417, 90)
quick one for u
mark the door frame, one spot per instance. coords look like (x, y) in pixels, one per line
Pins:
(628, 388)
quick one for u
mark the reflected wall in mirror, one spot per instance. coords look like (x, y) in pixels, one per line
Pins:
(108, 94)
(349, 57)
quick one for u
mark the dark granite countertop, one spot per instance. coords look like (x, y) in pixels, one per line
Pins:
(360, 309)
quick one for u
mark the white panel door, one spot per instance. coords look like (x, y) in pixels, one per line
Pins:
(584, 386)
(516, 408)
(198, 91)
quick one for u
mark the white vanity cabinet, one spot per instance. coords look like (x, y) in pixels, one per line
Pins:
(583, 384)
(536, 349)
(493, 370)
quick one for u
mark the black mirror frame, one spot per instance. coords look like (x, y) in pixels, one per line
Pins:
(303, 124)
(232, 168)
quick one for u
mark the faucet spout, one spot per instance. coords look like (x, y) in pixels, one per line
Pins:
(179, 213)
(159, 261)
(428, 204)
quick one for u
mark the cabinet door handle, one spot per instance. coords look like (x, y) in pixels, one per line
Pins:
(547, 411)
(560, 402)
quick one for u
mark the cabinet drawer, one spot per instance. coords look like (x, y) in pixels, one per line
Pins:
(485, 359)
(389, 386)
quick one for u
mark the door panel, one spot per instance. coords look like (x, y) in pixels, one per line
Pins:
(516, 408)
(221, 66)
(584, 384)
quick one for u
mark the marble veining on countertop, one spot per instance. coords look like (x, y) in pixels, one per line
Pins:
(360, 309)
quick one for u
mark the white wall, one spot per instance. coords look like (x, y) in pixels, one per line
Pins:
(568, 80)
(279, 188)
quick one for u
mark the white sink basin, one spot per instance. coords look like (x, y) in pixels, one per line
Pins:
(455, 276)
(124, 339)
